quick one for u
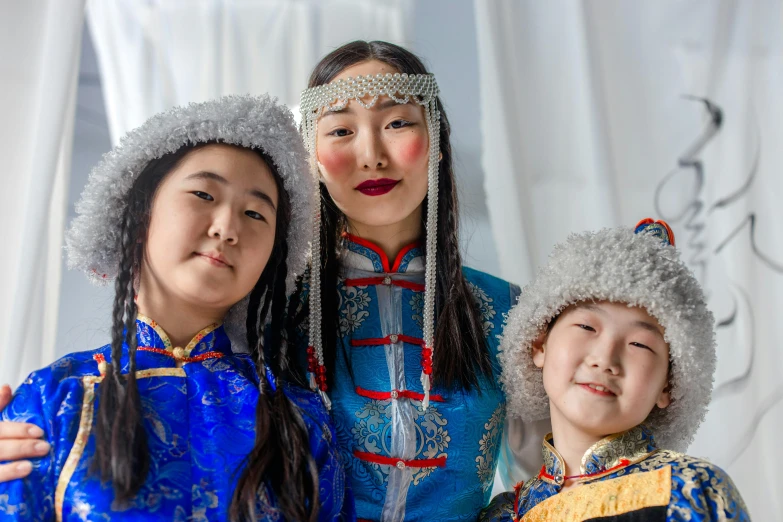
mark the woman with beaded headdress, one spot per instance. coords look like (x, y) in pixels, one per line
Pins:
(400, 338)
(201, 217)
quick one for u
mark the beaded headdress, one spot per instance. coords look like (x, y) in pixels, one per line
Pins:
(365, 90)
(637, 266)
(247, 121)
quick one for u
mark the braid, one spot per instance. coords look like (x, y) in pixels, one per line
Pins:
(251, 322)
(129, 438)
(110, 388)
(278, 305)
(280, 458)
(121, 455)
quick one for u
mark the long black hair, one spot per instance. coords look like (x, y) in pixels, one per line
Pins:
(461, 353)
(280, 458)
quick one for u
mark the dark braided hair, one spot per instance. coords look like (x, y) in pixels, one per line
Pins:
(461, 353)
(280, 458)
(121, 454)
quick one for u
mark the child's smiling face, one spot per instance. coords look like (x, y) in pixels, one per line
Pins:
(605, 366)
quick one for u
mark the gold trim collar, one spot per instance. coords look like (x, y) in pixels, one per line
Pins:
(164, 337)
(602, 458)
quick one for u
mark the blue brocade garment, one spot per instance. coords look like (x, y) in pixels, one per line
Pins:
(403, 463)
(200, 423)
(633, 481)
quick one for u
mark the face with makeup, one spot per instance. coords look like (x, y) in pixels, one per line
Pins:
(374, 161)
(212, 229)
(605, 366)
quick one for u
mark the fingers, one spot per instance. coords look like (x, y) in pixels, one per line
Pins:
(19, 430)
(15, 470)
(5, 396)
(18, 440)
(16, 449)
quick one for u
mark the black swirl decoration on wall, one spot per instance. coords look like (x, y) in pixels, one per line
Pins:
(693, 216)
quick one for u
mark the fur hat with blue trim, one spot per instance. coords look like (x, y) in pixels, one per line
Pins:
(637, 266)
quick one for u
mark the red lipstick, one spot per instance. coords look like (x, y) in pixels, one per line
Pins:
(377, 187)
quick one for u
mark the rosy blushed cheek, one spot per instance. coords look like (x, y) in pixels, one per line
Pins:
(413, 149)
(336, 162)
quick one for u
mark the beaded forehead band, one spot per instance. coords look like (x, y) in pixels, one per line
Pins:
(402, 88)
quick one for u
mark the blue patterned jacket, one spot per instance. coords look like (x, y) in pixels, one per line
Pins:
(631, 480)
(405, 463)
(199, 414)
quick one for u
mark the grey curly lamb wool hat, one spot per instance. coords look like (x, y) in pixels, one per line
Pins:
(247, 121)
(628, 266)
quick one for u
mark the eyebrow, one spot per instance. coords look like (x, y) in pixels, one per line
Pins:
(206, 175)
(592, 307)
(381, 106)
(641, 324)
(648, 326)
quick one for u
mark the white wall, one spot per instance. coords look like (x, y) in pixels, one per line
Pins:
(85, 310)
(445, 37)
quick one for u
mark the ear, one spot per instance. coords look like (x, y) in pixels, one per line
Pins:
(539, 348)
(664, 399)
(321, 170)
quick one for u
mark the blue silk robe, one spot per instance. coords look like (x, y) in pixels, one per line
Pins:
(200, 422)
(404, 463)
(632, 481)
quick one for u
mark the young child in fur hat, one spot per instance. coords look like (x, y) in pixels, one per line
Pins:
(614, 342)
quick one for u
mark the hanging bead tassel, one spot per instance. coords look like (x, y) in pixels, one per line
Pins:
(321, 378)
(426, 371)
(311, 367)
(430, 277)
(315, 352)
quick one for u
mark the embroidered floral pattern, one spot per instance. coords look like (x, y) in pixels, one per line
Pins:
(417, 308)
(486, 309)
(353, 308)
(373, 427)
(489, 445)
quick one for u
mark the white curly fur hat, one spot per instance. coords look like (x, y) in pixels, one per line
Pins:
(247, 121)
(638, 267)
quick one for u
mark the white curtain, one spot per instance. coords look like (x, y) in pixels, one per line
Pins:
(160, 53)
(40, 43)
(591, 117)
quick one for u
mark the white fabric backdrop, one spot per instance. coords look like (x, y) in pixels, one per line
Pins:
(160, 53)
(586, 123)
(39, 60)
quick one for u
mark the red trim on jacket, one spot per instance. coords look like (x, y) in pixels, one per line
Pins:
(370, 281)
(439, 462)
(396, 394)
(401, 255)
(387, 267)
(168, 353)
(380, 341)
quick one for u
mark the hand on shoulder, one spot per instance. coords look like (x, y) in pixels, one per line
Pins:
(18, 440)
